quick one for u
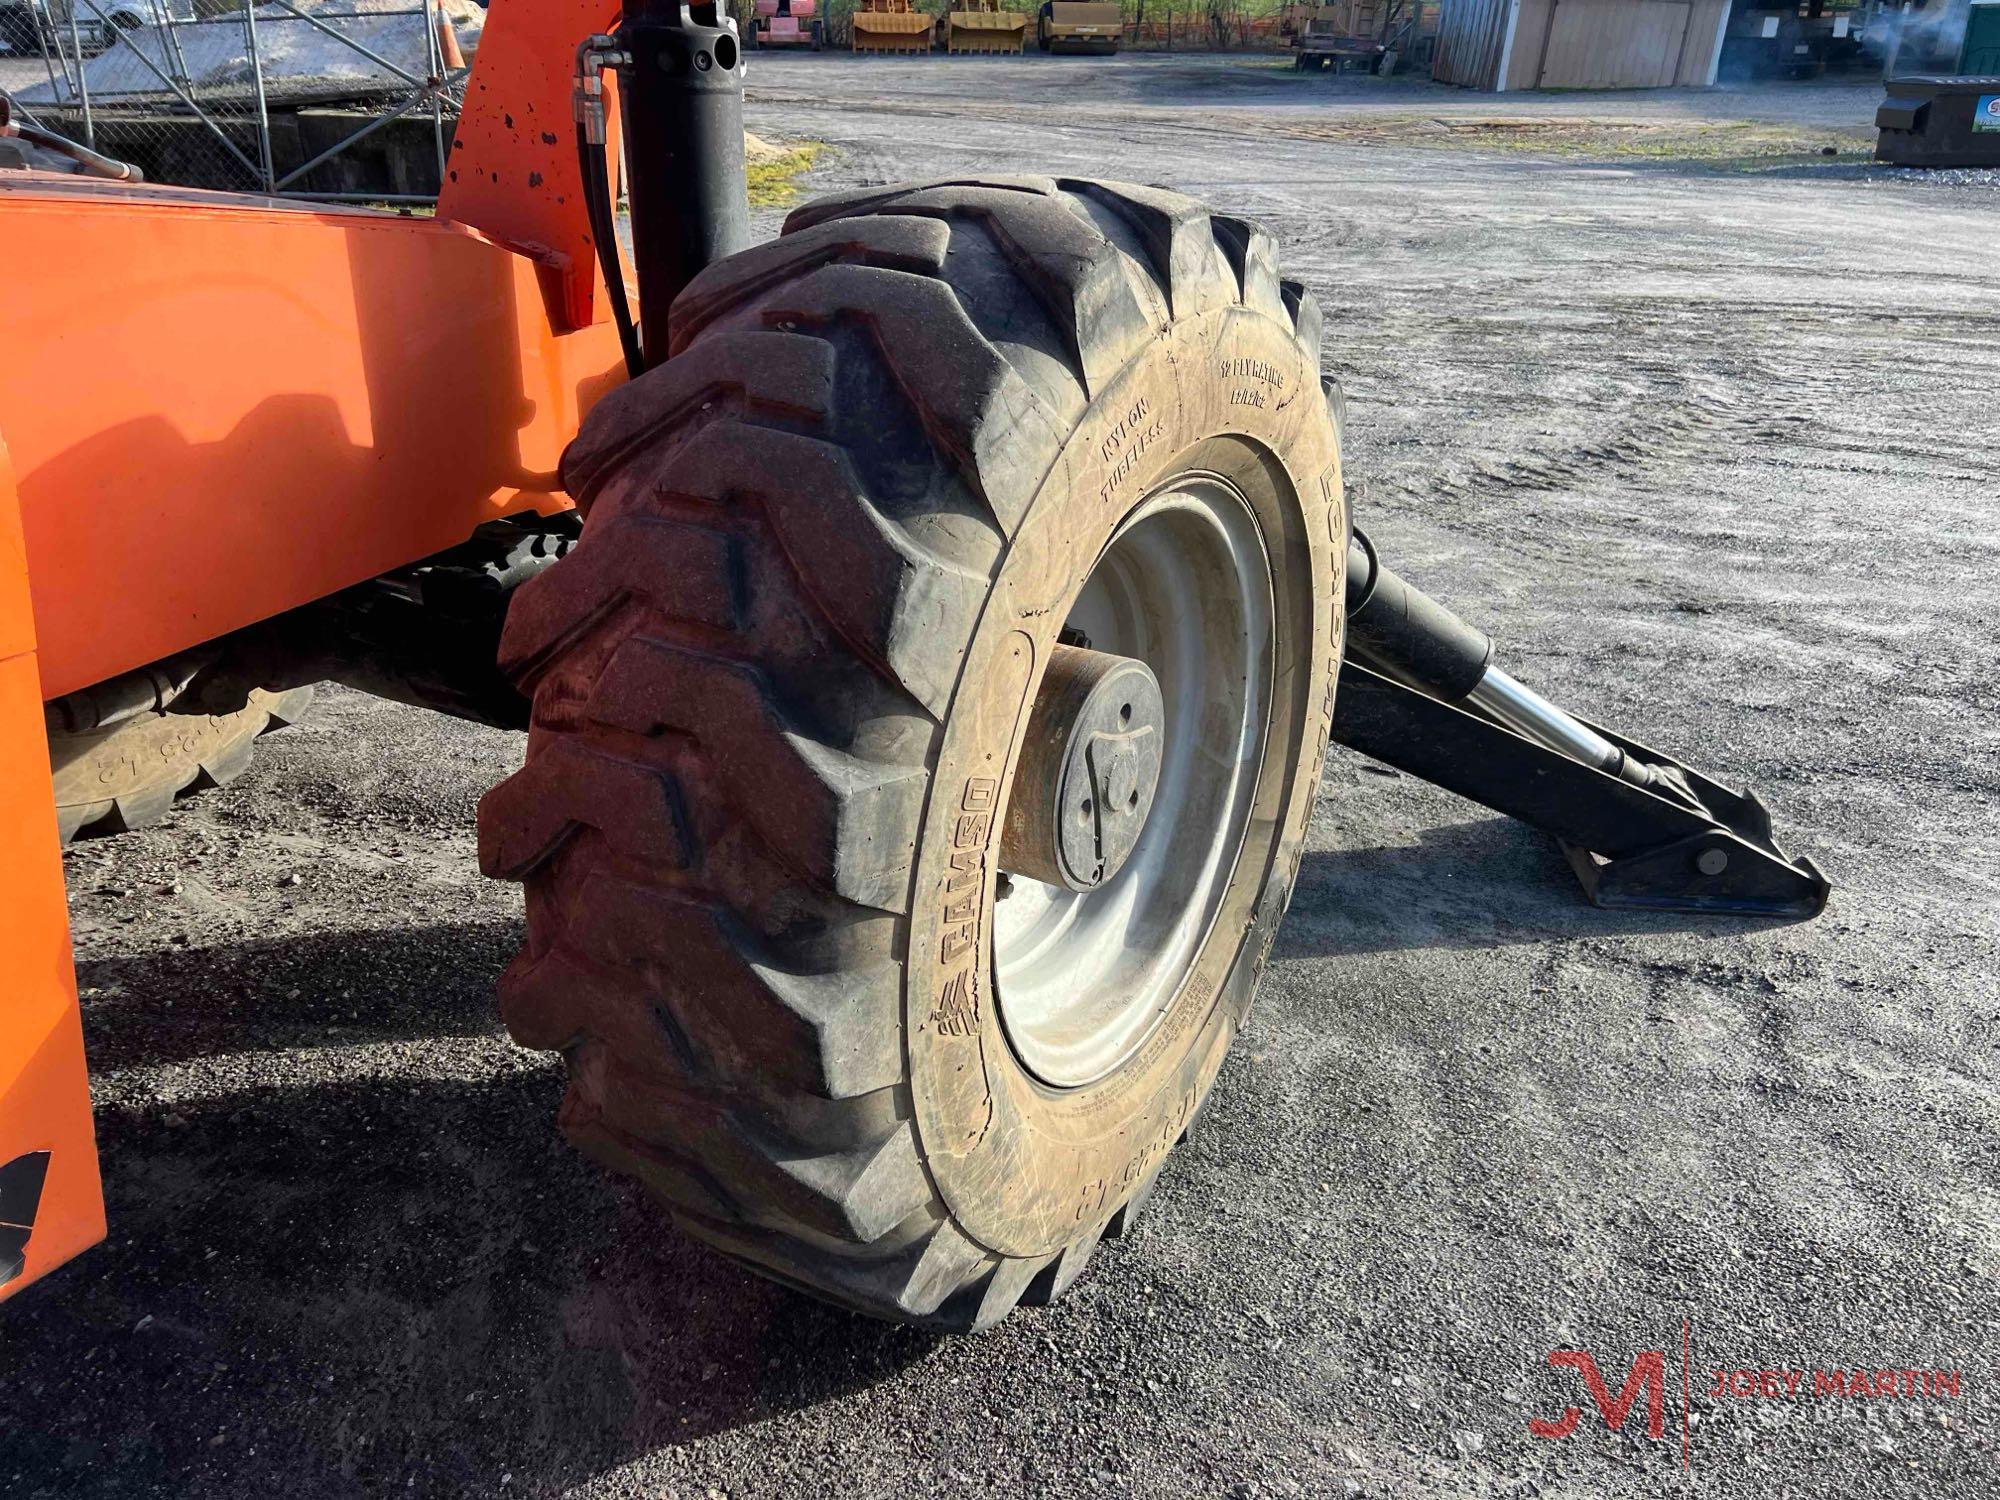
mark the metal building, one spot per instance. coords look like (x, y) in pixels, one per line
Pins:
(1579, 44)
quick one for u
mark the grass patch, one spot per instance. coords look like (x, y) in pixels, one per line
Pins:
(774, 179)
(1718, 143)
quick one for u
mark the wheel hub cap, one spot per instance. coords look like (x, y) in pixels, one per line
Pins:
(1088, 770)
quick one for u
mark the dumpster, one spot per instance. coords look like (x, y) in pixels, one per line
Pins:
(1939, 122)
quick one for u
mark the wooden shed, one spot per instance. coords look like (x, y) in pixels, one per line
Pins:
(1579, 44)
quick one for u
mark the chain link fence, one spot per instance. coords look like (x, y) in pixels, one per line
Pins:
(1149, 25)
(327, 99)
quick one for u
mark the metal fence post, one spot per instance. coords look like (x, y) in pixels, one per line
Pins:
(82, 84)
(263, 121)
(433, 18)
(45, 36)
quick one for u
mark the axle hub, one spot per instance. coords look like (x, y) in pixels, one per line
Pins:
(1088, 770)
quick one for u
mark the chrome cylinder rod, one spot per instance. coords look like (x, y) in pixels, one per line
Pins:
(1533, 717)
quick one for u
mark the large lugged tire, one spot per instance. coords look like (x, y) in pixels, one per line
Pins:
(781, 686)
(127, 776)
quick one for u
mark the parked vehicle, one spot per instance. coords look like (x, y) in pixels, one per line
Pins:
(19, 33)
(787, 23)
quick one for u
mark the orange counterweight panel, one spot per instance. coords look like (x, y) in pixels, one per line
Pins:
(222, 407)
(51, 1206)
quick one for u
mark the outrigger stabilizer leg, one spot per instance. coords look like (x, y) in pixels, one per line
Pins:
(1419, 691)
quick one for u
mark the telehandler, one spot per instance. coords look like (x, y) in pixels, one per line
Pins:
(926, 626)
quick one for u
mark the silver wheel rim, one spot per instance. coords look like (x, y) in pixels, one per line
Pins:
(1083, 978)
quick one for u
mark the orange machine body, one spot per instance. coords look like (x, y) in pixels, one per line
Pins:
(219, 408)
(50, 1206)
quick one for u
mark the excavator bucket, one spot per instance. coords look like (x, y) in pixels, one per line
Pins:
(891, 26)
(982, 26)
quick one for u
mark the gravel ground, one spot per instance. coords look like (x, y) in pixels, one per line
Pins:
(1708, 447)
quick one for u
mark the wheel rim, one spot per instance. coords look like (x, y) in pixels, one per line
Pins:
(1083, 978)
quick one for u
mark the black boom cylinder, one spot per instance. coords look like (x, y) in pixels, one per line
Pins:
(683, 99)
(1403, 632)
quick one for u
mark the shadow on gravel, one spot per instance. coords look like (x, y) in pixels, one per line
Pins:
(350, 1284)
(1487, 883)
(313, 990)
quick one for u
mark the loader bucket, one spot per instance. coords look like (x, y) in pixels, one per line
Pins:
(891, 26)
(982, 26)
(1081, 26)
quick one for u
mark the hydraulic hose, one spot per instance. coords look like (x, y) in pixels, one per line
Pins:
(592, 57)
(94, 164)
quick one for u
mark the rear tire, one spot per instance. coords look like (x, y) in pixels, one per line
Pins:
(780, 685)
(125, 777)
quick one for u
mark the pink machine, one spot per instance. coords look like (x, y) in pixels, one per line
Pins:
(787, 23)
